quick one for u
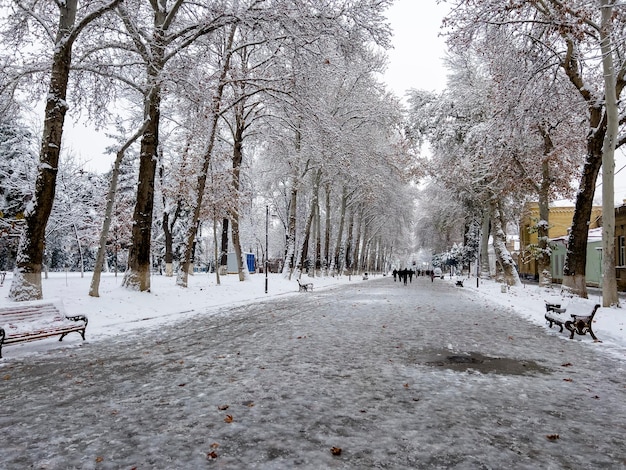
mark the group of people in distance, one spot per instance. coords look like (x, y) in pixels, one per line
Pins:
(406, 275)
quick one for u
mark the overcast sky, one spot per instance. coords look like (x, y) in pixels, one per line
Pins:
(416, 59)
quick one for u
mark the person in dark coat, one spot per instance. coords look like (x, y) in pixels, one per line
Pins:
(395, 274)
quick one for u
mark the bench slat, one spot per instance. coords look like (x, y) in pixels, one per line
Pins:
(24, 322)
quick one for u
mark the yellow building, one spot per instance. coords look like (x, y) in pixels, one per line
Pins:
(558, 226)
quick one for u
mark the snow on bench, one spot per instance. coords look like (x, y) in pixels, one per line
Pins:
(30, 321)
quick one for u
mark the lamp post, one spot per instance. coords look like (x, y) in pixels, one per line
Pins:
(267, 217)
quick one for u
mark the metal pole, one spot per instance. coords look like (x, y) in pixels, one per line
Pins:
(267, 216)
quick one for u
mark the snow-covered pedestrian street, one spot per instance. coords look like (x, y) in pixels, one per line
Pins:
(367, 375)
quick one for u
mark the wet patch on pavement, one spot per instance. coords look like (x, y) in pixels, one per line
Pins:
(462, 362)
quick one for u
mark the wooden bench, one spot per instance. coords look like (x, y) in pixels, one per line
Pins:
(554, 315)
(304, 287)
(581, 324)
(31, 321)
(577, 323)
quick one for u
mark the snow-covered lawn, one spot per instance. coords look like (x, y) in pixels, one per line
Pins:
(120, 311)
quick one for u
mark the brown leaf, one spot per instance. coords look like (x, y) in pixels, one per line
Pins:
(567, 364)
(568, 380)
(211, 455)
(553, 437)
(222, 407)
(406, 385)
(6, 377)
(99, 459)
(181, 385)
(215, 445)
(228, 419)
(335, 450)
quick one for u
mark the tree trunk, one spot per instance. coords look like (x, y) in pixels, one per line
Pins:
(224, 246)
(304, 253)
(236, 182)
(206, 161)
(543, 225)
(290, 236)
(503, 255)
(485, 270)
(318, 239)
(576, 256)
(327, 260)
(108, 212)
(137, 276)
(574, 268)
(609, 281)
(342, 217)
(360, 241)
(26, 284)
(349, 241)
(216, 251)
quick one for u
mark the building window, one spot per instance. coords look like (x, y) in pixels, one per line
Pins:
(621, 243)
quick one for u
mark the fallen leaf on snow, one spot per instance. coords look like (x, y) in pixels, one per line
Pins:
(6, 377)
(99, 459)
(222, 407)
(211, 455)
(335, 450)
(567, 364)
(228, 419)
(567, 380)
(553, 437)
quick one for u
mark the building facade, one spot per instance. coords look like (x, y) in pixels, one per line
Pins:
(558, 227)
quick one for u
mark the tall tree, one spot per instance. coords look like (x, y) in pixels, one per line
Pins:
(26, 284)
(570, 33)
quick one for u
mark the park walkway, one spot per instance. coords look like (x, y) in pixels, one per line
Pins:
(371, 375)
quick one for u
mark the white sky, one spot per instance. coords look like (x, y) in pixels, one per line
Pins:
(416, 59)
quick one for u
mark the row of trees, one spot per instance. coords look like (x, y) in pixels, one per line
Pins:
(220, 110)
(532, 110)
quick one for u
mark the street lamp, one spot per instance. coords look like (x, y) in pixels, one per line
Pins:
(267, 218)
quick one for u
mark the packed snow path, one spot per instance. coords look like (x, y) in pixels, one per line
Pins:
(418, 376)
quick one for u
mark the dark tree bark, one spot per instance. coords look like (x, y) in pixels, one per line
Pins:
(224, 245)
(137, 275)
(26, 283)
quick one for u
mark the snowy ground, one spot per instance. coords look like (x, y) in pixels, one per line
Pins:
(118, 311)
(422, 376)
